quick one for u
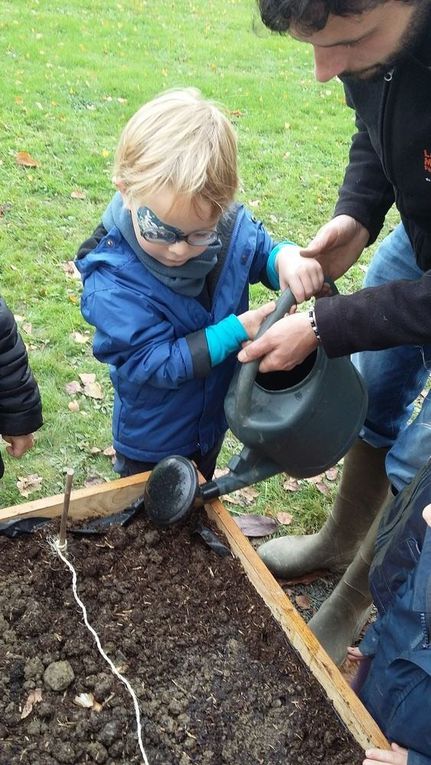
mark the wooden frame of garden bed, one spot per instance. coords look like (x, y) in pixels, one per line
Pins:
(113, 496)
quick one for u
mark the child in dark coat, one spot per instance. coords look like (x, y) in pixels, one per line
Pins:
(395, 653)
(20, 405)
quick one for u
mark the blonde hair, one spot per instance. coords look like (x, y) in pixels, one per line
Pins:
(182, 141)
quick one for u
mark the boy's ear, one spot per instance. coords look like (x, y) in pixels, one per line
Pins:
(122, 189)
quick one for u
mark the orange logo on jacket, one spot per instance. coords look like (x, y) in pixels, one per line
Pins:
(427, 161)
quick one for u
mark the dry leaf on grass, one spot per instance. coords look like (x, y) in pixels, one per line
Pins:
(94, 480)
(93, 390)
(255, 525)
(291, 484)
(73, 406)
(79, 337)
(28, 484)
(73, 387)
(109, 451)
(25, 159)
(284, 518)
(78, 194)
(332, 474)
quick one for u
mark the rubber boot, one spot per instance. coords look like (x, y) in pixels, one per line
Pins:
(362, 491)
(340, 618)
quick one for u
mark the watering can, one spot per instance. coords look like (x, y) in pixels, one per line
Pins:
(300, 422)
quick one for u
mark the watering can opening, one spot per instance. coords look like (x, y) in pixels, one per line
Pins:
(282, 381)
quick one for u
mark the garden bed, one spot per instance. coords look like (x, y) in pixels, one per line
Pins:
(216, 677)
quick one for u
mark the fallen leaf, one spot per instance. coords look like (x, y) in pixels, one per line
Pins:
(34, 697)
(243, 497)
(93, 390)
(73, 387)
(284, 518)
(291, 485)
(27, 327)
(323, 488)
(77, 194)
(73, 406)
(25, 159)
(80, 338)
(109, 451)
(28, 484)
(255, 525)
(87, 377)
(315, 478)
(95, 450)
(303, 601)
(332, 474)
(94, 480)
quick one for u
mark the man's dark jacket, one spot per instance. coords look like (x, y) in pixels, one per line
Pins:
(20, 406)
(390, 162)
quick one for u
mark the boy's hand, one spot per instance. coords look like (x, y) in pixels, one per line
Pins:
(303, 276)
(251, 320)
(396, 756)
(426, 515)
(19, 445)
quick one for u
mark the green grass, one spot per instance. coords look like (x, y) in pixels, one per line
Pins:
(73, 73)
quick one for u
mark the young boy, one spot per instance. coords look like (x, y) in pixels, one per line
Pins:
(395, 653)
(20, 406)
(166, 280)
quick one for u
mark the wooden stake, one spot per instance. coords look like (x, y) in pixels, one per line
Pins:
(62, 544)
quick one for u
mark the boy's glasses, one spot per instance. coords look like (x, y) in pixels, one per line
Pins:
(162, 235)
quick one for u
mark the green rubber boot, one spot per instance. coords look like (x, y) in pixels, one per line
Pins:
(340, 618)
(362, 491)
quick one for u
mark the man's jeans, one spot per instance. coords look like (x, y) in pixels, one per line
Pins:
(397, 376)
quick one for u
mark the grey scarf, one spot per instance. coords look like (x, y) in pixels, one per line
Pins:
(188, 279)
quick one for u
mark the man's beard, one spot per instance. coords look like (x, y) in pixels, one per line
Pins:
(406, 45)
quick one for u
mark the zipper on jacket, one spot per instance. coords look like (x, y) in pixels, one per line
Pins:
(388, 77)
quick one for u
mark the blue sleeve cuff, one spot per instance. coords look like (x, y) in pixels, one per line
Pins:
(224, 338)
(271, 271)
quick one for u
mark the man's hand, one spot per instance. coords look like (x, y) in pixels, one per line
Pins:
(251, 320)
(337, 245)
(19, 445)
(303, 276)
(284, 345)
(396, 756)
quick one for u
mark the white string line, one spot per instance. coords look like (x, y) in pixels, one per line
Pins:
(54, 544)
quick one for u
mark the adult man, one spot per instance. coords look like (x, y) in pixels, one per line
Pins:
(382, 53)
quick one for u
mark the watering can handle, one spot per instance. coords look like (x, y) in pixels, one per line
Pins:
(248, 371)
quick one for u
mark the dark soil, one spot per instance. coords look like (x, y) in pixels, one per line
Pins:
(216, 679)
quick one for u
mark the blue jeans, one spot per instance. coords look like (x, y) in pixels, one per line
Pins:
(395, 377)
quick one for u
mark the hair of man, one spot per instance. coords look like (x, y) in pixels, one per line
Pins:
(312, 15)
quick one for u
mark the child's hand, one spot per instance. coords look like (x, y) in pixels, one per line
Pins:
(426, 515)
(251, 320)
(304, 276)
(396, 756)
(19, 445)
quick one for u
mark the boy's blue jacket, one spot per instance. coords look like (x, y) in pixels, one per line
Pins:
(167, 398)
(397, 689)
